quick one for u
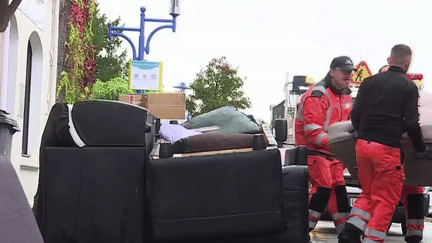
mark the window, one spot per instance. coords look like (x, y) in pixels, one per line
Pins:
(25, 132)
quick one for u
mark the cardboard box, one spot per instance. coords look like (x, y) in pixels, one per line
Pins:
(166, 105)
(168, 112)
(131, 99)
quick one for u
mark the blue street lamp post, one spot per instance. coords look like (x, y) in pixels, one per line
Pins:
(145, 46)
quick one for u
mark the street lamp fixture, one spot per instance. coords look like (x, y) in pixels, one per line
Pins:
(175, 8)
(144, 46)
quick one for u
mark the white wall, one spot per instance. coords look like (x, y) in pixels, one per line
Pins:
(21, 30)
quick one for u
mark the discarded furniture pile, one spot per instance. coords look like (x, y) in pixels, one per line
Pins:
(101, 182)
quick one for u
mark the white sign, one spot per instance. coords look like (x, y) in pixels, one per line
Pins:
(146, 75)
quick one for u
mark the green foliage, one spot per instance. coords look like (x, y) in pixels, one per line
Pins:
(111, 89)
(215, 86)
(71, 94)
(129, 72)
(110, 62)
(77, 82)
(68, 81)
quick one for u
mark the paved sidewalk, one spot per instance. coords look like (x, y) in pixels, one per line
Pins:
(326, 233)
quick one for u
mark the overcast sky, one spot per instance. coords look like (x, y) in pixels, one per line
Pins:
(265, 39)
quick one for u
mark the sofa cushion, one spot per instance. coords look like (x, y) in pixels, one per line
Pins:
(216, 196)
(110, 123)
(228, 118)
(296, 156)
(214, 142)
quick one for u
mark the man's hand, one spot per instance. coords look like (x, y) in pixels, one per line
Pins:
(353, 131)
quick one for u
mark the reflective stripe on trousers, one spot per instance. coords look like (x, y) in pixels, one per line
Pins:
(415, 227)
(339, 220)
(414, 233)
(367, 240)
(374, 235)
(413, 201)
(359, 218)
(340, 228)
(313, 218)
(357, 222)
(360, 213)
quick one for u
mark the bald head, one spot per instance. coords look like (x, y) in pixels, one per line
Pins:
(400, 56)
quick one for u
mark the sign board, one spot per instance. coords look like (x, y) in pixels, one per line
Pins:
(146, 75)
(309, 80)
(362, 72)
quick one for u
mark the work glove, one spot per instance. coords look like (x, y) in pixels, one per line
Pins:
(427, 154)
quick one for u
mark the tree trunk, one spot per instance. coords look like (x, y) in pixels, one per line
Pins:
(62, 63)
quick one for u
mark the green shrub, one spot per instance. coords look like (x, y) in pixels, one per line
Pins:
(111, 89)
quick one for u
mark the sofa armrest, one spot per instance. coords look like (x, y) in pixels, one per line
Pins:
(91, 193)
(295, 180)
(296, 156)
(296, 210)
(16, 218)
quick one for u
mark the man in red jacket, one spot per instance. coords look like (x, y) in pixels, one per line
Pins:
(386, 105)
(323, 104)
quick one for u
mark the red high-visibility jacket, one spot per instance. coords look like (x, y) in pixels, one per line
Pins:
(320, 106)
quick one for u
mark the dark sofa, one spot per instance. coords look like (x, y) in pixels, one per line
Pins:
(109, 190)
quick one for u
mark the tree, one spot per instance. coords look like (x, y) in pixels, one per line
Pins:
(110, 62)
(215, 86)
(111, 89)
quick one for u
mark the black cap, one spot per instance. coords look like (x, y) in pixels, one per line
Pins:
(344, 63)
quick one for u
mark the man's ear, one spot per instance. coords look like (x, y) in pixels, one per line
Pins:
(332, 72)
(407, 64)
(388, 60)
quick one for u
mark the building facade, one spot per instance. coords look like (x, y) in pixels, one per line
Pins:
(287, 108)
(28, 74)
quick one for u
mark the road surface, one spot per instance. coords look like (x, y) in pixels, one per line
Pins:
(326, 233)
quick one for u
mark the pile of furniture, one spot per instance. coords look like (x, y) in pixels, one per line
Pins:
(99, 183)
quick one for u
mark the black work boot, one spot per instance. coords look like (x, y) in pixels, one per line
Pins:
(413, 239)
(350, 234)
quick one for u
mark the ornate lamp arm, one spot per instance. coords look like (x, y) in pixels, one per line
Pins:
(145, 46)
